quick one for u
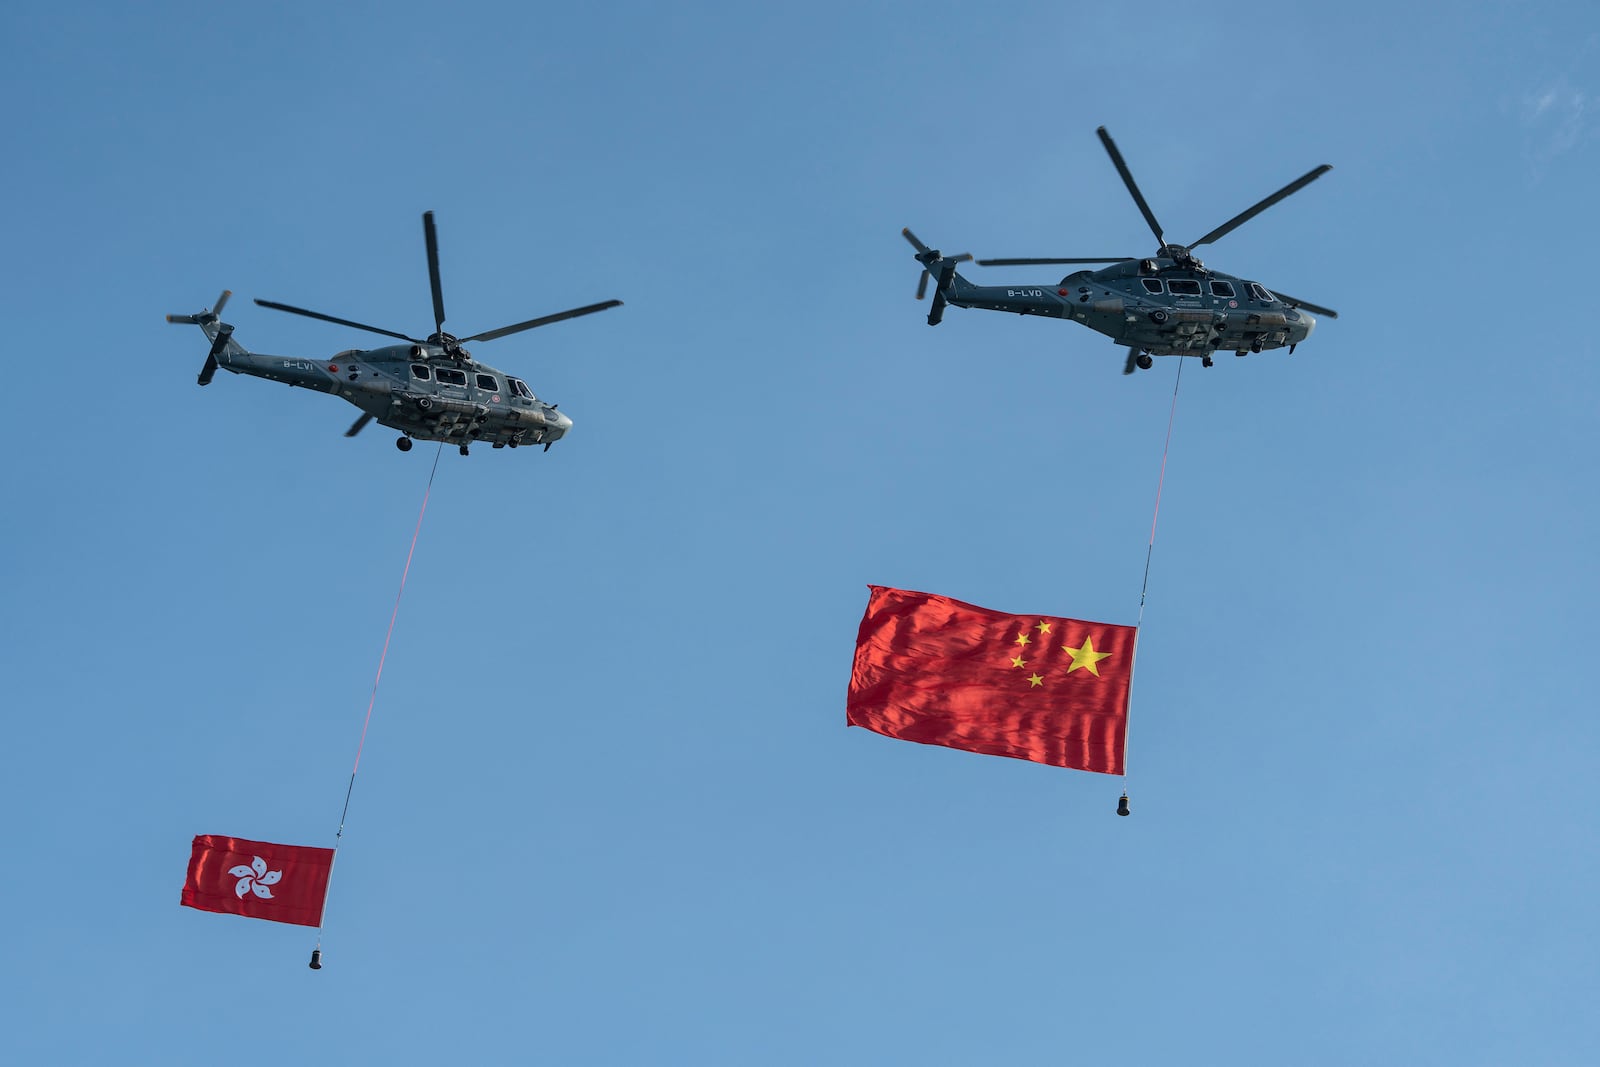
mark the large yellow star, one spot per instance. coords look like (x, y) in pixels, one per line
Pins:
(1018, 662)
(1034, 680)
(1043, 628)
(1022, 639)
(1085, 657)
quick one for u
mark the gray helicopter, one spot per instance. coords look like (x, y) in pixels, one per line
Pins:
(429, 389)
(1169, 304)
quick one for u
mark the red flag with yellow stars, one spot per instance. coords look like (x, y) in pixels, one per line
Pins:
(939, 672)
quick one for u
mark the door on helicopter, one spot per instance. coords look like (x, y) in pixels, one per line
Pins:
(452, 383)
(486, 390)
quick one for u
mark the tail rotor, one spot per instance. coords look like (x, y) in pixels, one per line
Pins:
(219, 340)
(933, 262)
(922, 284)
(210, 315)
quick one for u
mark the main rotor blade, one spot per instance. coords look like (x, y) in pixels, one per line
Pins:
(1251, 212)
(545, 321)
(1127, 179)
(1308, 305)
(432, 237)
(355, 427)
(329, 318)
(1036, 262)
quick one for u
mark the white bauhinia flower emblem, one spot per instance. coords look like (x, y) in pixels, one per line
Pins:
(255, 878)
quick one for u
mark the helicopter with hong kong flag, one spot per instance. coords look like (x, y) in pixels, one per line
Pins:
(1168, 304)
(430, 389)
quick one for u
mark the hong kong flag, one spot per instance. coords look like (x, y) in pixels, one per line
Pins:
(257, 879)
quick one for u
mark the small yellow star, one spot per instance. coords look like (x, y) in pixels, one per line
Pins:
(1034, 680)
(1043, 628)
(1018, 662)
(1022, 639)
(1085, 657)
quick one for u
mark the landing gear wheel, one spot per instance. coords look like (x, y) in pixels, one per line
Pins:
(1205, 361)
(404, 444)
(1145, 361)
(1158, 317)
(463, 450)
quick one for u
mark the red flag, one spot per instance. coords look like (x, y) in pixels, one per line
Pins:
(939, 672)
(257, 879)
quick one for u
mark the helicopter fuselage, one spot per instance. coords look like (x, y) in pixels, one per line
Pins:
(1155, 305)
(429, 389)
(420, 390)
(1166, 305)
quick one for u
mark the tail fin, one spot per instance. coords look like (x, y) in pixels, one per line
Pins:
(943, 270)
(221, 334)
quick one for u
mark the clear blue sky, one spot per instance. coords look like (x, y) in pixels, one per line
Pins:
(609, 811)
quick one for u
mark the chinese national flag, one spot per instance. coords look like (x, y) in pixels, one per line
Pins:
(1036, 687)
(257, 879)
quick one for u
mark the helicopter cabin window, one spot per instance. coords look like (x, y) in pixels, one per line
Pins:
(450, 377)
(1260, 293)
(419, 372)
(1224, 289)
(1151, 285)
(487, 382)
(1184, 287)
(520, 388)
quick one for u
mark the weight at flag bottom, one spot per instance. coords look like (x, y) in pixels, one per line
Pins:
(258, 879)
(1043, 688)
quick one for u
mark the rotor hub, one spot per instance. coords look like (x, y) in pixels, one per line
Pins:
(449, 343)
(1181, 256)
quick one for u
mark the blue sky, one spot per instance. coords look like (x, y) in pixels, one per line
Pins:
(609, 811)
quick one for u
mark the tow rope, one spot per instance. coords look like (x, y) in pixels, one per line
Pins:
(372, 700)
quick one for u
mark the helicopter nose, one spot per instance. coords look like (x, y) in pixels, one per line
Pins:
(561, 422)
(1309, 322)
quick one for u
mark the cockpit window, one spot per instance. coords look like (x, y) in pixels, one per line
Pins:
(419, 371)
(520, 388)
(1261, 294)
(1184, 287)
(486, 381)
(1222, 289)
(1151, 285)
